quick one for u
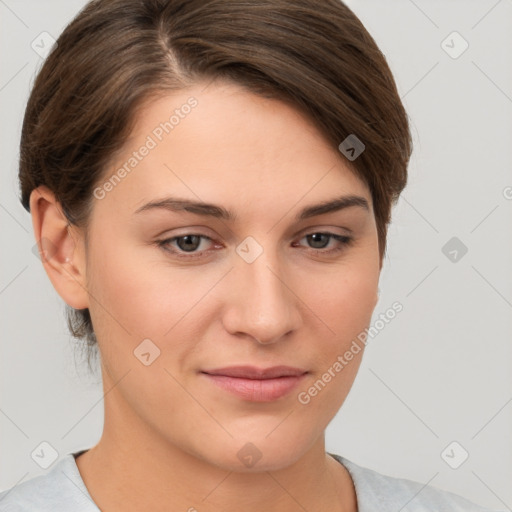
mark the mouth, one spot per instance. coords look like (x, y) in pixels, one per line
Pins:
(255, 384)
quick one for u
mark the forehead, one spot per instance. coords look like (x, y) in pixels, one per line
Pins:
(222, 144)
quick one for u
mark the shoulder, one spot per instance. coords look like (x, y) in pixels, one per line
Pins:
(61, 489)
(376, 491)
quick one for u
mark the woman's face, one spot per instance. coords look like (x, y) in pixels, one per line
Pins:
(259, 289)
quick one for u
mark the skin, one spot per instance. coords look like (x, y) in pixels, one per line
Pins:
(171, 437)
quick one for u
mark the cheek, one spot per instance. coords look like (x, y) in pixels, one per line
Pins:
(344, 301)
(121, 289)
(345, 305)
(139, 297)
(134, 293)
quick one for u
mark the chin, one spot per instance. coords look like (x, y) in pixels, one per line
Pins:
(263, 452)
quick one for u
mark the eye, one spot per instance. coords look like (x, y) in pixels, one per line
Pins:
(321, 239)
(187, 245)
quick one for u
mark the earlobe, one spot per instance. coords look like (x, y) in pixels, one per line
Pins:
(61, 248)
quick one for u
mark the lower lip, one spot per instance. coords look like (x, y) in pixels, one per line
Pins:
(257, 390)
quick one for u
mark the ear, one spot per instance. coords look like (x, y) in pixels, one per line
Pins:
(61, 248)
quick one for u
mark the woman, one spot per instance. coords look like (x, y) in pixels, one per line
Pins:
(270, 137)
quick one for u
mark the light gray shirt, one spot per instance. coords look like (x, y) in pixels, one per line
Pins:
(62, 489)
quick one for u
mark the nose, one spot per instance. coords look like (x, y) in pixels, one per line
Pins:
(263, 305)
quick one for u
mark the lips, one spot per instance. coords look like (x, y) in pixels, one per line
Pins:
(251, 372)
(256, 384)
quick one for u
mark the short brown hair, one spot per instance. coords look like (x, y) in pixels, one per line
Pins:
(314, 54)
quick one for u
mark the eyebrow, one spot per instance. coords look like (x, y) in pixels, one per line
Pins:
(176, 204)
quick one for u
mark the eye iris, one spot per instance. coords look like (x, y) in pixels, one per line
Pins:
(186, 246)
(315, 238)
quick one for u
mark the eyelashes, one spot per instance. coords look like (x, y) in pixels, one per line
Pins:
(342, 241)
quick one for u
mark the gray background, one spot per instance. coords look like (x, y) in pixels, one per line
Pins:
(441, 371)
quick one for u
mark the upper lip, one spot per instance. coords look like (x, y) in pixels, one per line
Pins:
(252, 372)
